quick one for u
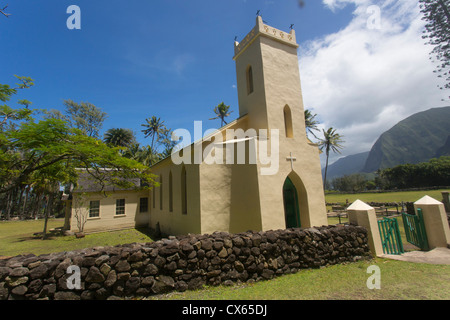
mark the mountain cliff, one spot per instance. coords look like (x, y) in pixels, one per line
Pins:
(415, 139)
(444, 150)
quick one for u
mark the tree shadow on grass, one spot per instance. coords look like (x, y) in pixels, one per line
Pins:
(151, 233)
(50, 235)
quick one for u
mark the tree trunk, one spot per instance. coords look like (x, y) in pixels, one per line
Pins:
(9, 205)
(19, 203)
(325, 176)
(46, 214)
(37, 207)
(25, 201)
(12, 209)
(153, 139)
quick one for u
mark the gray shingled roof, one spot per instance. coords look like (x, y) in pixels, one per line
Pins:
(87, 183)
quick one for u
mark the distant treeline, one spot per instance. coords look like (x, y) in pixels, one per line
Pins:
(435, 172)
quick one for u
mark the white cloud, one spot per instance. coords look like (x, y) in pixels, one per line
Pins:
(362, 81)
(339, 4)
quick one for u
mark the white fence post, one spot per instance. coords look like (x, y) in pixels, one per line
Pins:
(361, 214)
(435, 220)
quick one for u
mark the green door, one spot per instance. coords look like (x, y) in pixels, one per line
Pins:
(290, 199)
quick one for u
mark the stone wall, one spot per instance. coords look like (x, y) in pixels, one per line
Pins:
(180, 263)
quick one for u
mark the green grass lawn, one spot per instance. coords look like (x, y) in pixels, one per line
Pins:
(406, 196)
(17, 237)
(399, 281)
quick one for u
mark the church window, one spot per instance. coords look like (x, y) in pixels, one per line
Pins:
(170, 192)
(94, 209)
(183, 191)
(288, 122)
(249, 80)
(143, 205)
(120, 206)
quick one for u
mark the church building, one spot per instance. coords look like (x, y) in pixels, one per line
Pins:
(259, 172)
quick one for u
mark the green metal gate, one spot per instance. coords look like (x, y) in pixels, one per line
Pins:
(415, 229)
(390, 236)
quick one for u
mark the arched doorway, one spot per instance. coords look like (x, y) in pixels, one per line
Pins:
(291, 207)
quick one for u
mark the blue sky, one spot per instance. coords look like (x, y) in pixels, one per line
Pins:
(173, 59)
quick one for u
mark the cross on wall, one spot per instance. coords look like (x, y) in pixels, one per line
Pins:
(291, 159)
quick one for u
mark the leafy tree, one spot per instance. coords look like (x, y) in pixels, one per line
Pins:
(147, 156)
(437, 31)
(221, 110)
(144, 155)
(46, 181)
(166, 142)
(38, 156)
(9, 114)
(119, 137)
(85, 116)
(9, 119)
(132, 151)
(435, 172)
(331, 142)
(44, 144)
(350, 183)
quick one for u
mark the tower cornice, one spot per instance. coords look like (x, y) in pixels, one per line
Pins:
(264, 30)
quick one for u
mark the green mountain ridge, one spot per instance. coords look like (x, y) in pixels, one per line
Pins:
(444, 150)
(412, 140)
(418, 138)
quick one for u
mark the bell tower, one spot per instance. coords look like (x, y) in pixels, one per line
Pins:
(270, 96)
(268, 80)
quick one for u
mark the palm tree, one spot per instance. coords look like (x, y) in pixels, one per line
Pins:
(331, 141)
(119, 137)
(147, 156)
(144, 155)
(221, 111)
(132, 151)
(155, 127)
(311, 123)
